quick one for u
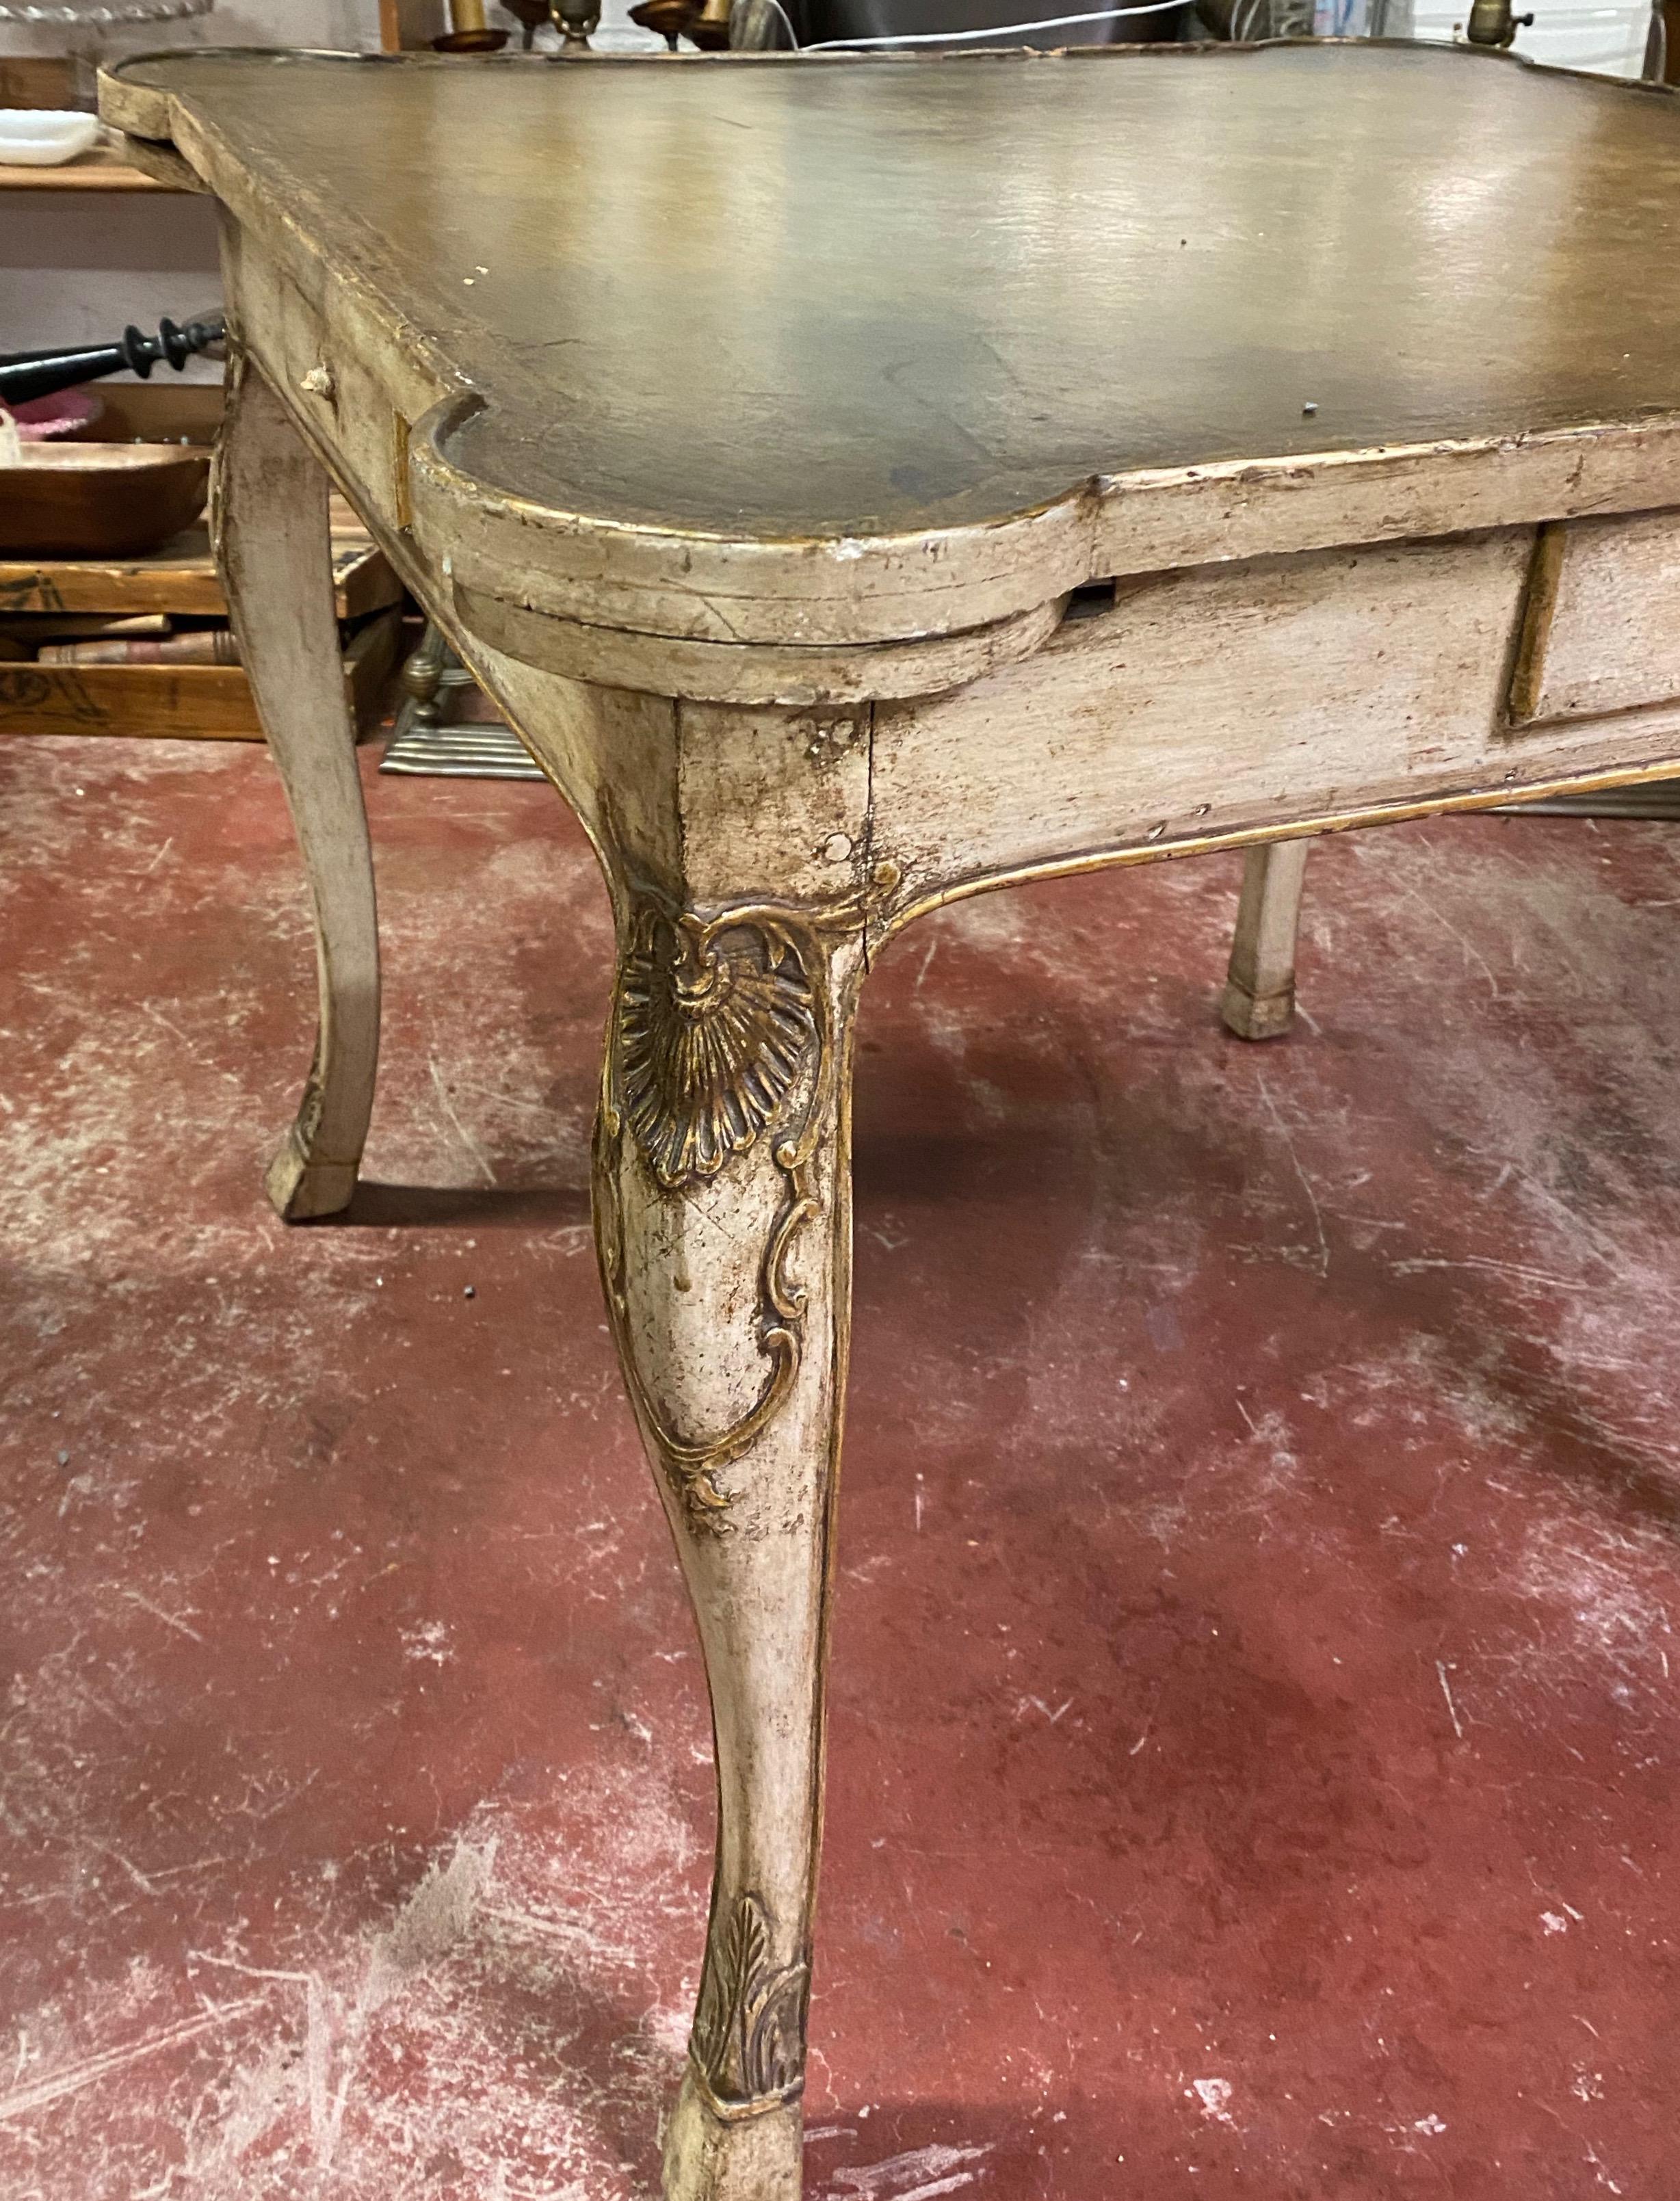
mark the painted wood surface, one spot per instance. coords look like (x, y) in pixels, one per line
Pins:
(1225, 704)
(932, 403)
(269, 526)
(1603, 628)
(797, 699)
(1259, 999)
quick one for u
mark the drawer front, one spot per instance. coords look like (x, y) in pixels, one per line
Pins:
(1602, 632)
(324, 380)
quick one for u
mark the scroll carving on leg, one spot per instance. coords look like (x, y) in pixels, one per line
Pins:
(722, 1187)
(269, 522)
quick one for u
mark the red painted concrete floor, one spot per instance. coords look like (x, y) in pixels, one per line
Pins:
(1255, 1694)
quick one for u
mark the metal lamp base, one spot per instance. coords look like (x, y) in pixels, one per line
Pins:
(427, 743)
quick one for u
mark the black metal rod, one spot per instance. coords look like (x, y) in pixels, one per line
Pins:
(26, 374)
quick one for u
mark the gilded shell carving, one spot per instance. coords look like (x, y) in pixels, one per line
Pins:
(721, 1023)
(716, 1026)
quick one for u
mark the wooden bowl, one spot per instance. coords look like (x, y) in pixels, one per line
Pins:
(71, 500)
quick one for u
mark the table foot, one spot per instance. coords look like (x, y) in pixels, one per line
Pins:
(1258, 998)
(301, 1190)
(712, 2158)
(269, 526)
(1268, 1016)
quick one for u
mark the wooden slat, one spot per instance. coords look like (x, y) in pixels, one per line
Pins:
(35, 81)
(179, 702)
(187, 702)
(156, 412)
(180, 577)
(370, 659)
(102, 169)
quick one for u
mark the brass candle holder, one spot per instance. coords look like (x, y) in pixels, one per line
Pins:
(469, 31)
(575, 20)
(1491, 23)
(706, 22)
(533, 14)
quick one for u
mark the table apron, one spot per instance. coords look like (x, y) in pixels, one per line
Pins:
(1237, 702)
(336, 366)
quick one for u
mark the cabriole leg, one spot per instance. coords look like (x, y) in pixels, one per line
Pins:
(1259, 1000)
(723, 1219)
(269, 521)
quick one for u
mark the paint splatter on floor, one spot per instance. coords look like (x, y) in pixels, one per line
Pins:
(1255, 1706)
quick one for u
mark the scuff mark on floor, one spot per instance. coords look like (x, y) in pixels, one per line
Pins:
(918, 2174)
(70, 2079)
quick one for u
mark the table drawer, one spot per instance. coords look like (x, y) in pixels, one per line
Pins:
(1602, 630)
(345, 406)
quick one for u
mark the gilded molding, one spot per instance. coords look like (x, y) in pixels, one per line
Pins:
(747, 2045)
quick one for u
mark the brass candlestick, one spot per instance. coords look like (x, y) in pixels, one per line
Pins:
(705, 21)
(669, 18)
(710, 28)
(574, 19)
(533, 14)
(469, 31)
(1492, 24)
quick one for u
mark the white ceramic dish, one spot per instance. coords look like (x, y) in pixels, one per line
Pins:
(44, 136)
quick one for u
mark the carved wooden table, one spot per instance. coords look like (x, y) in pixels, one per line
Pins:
(866, 482)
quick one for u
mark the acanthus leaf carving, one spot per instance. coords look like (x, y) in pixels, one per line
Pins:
(747, 2043)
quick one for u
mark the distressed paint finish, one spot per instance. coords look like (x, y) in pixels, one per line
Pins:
(1596, 637)
(269, 529)
(1134, 1458)
(918, 422)
(1259, 999)
(801, 690)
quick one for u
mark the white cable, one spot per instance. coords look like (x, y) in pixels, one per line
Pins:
(793, 35)
(955, 38)
(996, 30)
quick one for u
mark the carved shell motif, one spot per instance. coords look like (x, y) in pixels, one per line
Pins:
(715, 1024)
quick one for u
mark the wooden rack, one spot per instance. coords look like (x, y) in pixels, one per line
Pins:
(191, 702)
(99, 169)
(43, 80)
(210, 702)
